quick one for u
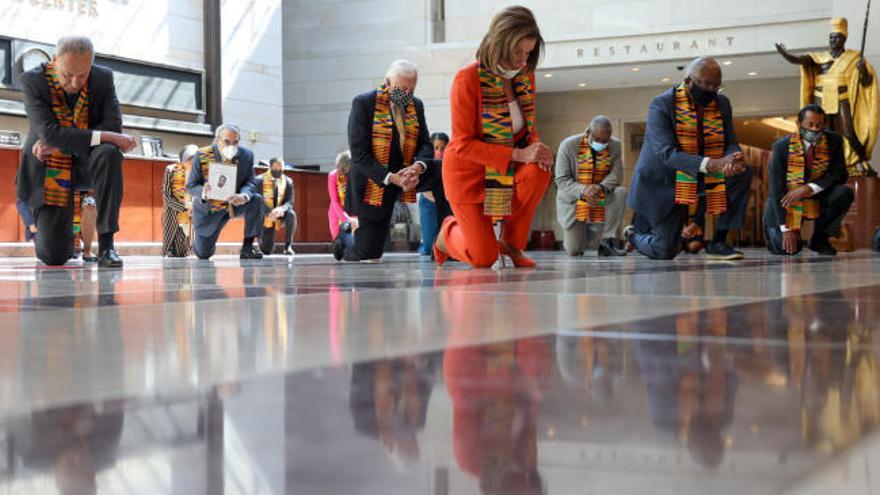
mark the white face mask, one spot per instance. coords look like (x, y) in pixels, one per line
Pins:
(507, 73)
(229, 152)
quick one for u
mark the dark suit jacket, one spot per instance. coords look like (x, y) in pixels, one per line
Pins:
(777, 187)
(104, 115)
(287, 201)
(365, 166)
(652, 191)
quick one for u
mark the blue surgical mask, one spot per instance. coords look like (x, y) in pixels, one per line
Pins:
(598, 147)
(810, 136)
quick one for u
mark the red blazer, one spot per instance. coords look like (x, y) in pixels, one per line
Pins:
(467, 156)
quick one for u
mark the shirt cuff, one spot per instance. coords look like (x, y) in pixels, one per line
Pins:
(704, 165)
(816, 188)
(784, 228)
(96, 138)
(423, 164)
(387, 179)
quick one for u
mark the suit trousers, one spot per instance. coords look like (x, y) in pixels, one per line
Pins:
(469, 235)
(55, 224)
(208, 225)
(834, 204)
(267, 239)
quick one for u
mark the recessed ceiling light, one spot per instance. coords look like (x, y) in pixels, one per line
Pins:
(665, 79)
(753, 73)
(635, 69)
(727, 62)
(582, 85)
(548, 75)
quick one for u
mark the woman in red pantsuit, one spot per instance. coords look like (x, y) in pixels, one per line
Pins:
(496, 165)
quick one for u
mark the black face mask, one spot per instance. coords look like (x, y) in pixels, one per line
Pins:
(400, 97)
(702, 97)
(276, 174)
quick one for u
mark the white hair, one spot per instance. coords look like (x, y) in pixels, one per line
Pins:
(227, 127)
(600, 123)
(188, 152)
(76, 44)
(402, 67)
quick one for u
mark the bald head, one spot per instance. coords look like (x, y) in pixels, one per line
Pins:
(703, 68)
(703, 80)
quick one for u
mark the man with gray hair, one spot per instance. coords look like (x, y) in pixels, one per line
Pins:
(209, 216)
(392, 158)
(690, 155)
(75, 135)
(589, 172)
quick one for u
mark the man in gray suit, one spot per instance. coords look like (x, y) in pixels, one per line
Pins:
(209, 217)
(594, 193)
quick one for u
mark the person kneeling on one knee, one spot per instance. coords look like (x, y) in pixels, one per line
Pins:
(806, 182)
(211, 215)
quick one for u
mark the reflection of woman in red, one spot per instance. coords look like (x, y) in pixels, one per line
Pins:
(496, 165)
(495, 390)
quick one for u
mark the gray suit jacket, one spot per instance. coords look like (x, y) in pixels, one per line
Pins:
(568, 189)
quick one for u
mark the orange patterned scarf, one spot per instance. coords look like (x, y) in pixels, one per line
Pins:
(269, 198)
(686, 128)
(178, 189)
(593, 167)
(796, 176)
(383, 125)
(497, 128)
(59, 167)
(206, 158)
(341, 187)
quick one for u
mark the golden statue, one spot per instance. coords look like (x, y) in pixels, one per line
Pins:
(845, 85)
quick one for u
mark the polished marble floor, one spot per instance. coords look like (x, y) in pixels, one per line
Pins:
(304, 376)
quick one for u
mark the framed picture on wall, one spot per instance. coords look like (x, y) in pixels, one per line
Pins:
(152, 147)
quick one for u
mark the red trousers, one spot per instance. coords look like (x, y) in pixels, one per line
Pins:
(470, 237)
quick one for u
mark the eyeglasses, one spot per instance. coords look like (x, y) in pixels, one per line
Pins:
(707, 85)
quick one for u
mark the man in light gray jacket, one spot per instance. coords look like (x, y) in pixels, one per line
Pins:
(589, 172)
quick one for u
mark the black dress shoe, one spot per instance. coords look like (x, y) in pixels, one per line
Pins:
(249, 253)
(338, 246)
(90, 259)
(822, 246)
(607, 247)
(109, 259)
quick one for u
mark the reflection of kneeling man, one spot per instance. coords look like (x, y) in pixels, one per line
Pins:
(210, 216)
(807, 181)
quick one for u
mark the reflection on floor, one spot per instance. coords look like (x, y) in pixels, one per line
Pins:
(309, 377)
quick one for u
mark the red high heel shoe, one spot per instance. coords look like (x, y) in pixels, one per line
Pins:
(440, 254)
(519, 259)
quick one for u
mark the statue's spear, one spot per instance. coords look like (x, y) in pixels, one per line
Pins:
(865, 166)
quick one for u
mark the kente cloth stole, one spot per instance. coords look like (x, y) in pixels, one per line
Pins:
(59, 167)
(269, 198)
(497, 128)
(77, 213)
(593, 167)
(206, 158)
(686, 128)
(382, 137)
(178, 189)
(796, 176)
(341, 188)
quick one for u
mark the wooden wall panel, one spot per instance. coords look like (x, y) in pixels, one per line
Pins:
(11, 228)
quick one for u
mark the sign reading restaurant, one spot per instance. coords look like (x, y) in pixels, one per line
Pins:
(656, 48)
(735, 40)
